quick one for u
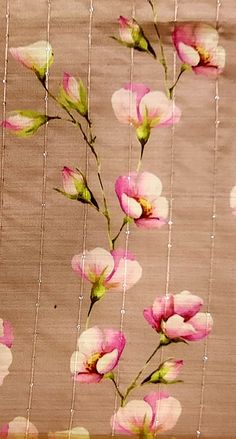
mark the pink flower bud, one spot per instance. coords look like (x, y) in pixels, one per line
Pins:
(37, 57)
(24, 123)
(73, 94)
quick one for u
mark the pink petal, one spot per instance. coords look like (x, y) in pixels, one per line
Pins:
(148, 185)
(94, 263)
(218, 58)
(18, 426)
(7, 337)
(150, 223)
(202, 323)
(154, 105)
(160, 208)
(71, 87)
(88, 378)
(148, 315)
(113, 340)
(176, 327)
(139, 89)
(5, 362)
(208, 71)
(171, 117)
(91, 341)
(126, 184)
(131, 418)
(4, 431)
(163, 307)
(126, 275)
(130, 206)
(78, 362)
(184, 34)
(107, 362)
(188, 54)
(206, 36)
(125, 107)
(187, 304)
(68, 176)
(166, 410)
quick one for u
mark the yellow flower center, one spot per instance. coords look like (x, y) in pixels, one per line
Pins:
(146, 206)
(204, 55)
(91, 363)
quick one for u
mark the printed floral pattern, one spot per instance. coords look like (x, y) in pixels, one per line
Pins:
(178, 317)
(197, 46)
(98, 353)
(37, 57)
(17, 427)
(139, 197)
(156, 413)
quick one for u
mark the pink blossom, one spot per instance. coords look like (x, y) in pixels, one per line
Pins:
(73, 94)
(156, 413)
(6, 333)
(128, 29)
(140, 198)
(37, 57)
(17, 428)
(136, 104)
(98, 353)
(108, 270)
(197, 46)
(178, 317)
(5, 361)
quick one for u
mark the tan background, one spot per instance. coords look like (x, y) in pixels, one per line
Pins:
(42, 239)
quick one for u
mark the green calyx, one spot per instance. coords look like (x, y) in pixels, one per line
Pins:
(143, 133)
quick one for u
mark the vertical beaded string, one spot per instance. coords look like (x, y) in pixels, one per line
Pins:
(127, 228)
(170, 223)
(85, 217)
(42, 232)
(4, 102)
(212, 237)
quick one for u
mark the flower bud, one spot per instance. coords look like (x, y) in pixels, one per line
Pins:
(24, 123)
(132, 35)
(166, 373)
(73, 94)
(75, 187)
(37, 57)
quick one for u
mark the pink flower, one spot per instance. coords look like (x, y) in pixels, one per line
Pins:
(17, 428)
(197, 46)
(6, 333)
(37, 57)
(24, 123)
(139, 197)
(107, 270)
(156, 413)
(178, 317)
(5, 361)
(233, 200)
(73, 94)
(136, 104)
(98, 353)
(167, 372)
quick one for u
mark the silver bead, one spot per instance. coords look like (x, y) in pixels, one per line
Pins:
(122, 311)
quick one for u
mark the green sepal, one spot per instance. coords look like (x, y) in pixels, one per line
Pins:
(109, 376)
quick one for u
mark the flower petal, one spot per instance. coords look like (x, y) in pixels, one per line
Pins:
(125, 107)
(5, 361)
(107, 362)
(176, 327)
(148, 315)
(160, 208)
(91, 341)
(163, 307)
(6, 333)
(148, 185)
(93, 264)
(132, 417)
(76, 432)
(78, 362)
(18, 426)
(188, 54)
(233, 198)
(187, 304)
(130, 206)
(206, 36)
(113, 340)
(154, 105)
(126, 275)
(88, 378)
(166, 410)
(202, 323)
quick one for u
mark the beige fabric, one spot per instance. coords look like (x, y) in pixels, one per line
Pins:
(61, 232)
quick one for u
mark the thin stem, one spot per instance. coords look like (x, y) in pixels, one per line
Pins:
(125, 221)
(162, 57)
(117, 389)
(134, 384)
(88, 316)
(184, 67)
